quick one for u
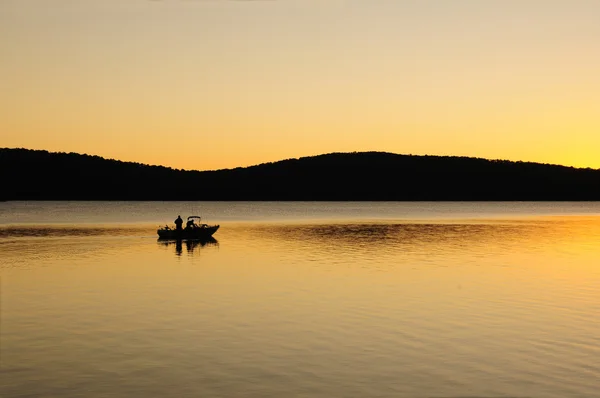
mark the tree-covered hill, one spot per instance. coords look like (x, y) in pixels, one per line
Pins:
(41, 175)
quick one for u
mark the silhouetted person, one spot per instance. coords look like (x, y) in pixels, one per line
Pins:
(178, 223)
(189, 224)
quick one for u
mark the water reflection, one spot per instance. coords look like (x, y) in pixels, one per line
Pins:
(191, 245)
(431, 237)
(331, 309)
(383, 234)
(70, 231)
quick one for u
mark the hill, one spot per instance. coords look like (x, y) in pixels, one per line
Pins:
(41, 175)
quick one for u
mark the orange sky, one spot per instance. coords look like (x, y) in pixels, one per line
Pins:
(205, 84)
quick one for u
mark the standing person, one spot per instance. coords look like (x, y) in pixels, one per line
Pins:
(178, 223)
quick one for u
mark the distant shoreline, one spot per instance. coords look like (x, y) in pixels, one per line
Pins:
(344, 177)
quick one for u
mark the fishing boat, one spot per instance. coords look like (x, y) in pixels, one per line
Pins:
(192, 230)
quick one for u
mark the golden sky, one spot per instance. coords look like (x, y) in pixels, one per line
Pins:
(207, 84)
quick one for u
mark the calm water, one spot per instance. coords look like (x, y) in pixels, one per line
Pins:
(301, 300)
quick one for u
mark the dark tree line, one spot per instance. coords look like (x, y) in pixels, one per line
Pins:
(41, 175)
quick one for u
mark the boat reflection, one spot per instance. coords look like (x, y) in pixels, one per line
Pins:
(190, 244)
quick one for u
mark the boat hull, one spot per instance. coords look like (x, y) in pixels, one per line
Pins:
(203, 232)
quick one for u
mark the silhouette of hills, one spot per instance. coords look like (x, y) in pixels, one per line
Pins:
(42, 175)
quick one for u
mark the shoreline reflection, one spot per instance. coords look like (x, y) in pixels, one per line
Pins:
(435, 239)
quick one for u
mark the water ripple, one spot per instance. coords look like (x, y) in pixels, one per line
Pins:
(388, 308)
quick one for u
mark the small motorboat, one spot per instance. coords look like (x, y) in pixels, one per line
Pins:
(191, 230)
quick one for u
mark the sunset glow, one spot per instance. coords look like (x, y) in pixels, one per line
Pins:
(208, 84)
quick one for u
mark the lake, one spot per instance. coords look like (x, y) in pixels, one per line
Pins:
(301, 299)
